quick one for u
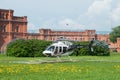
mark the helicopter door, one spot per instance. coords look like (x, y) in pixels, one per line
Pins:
(64, 49)
(56, 50)
(60, 49)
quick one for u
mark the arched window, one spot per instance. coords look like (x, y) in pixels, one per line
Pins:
(17, 29)
(4, 28)
(1, 28)
(2, 16)
(6, 16)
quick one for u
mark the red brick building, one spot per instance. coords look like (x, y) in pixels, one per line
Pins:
(47, 34)
(15, 27)
(118, 45)
(11, 27)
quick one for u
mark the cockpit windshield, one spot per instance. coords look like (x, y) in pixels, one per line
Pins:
(51, 48)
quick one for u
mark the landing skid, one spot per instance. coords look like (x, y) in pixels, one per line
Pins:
(70, 58)
(59, 59)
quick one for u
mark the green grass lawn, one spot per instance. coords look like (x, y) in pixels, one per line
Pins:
(87, 68)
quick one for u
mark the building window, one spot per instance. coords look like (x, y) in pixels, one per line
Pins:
(17, 29)
(2, 16)
(1, 28)
(4, 28)
(90, 33)
(6, 16)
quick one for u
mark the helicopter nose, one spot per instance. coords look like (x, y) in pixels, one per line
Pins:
(47, 53)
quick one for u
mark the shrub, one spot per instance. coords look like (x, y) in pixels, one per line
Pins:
(27, 48)
(101, 49)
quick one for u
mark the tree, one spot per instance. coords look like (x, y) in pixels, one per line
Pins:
(114, 34)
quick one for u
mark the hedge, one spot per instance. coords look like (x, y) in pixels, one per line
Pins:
(100, 48)
(27, 48)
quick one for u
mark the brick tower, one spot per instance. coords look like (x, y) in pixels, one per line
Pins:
(11, 27)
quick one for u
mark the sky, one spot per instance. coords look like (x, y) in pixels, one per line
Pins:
(100, 15)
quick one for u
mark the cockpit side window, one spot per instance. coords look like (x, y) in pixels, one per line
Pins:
(51, 48)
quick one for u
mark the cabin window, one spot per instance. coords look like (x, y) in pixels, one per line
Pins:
(60, 49)
(64, 49)
(56, 49)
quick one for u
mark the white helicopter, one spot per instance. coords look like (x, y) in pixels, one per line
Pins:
(64, 47)
(60, 48)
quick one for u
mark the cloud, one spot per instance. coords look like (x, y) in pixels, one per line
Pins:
(98, 15)
(116, 14)
(98, 7)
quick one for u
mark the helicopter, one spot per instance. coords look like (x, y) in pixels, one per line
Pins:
(59, 48)
(63, 47)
